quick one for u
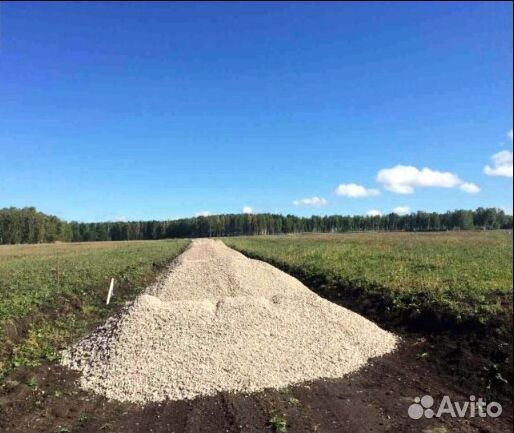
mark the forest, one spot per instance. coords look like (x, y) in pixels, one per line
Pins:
(27, 225)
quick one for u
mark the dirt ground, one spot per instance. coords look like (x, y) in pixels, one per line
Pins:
(46, 399)
(376, 398)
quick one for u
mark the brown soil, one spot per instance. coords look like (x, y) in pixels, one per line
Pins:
(376, 398)
(373, 399)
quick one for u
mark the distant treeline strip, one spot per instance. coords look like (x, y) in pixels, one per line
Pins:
(27, 225)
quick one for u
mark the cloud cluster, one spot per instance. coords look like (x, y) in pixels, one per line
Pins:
(401, 210)
(310, 201)
(402, 179)
(355, 191)
(373, 212)
(501, 164)
(469, 187)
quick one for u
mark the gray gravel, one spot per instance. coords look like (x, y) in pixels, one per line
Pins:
(218, 321)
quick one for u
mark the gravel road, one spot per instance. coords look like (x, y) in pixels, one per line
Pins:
(218, 321)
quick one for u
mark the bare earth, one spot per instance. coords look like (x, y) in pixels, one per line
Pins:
(373, 398)
(220, 322)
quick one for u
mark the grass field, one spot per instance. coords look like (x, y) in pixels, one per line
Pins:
(456, 276)
(51, 293)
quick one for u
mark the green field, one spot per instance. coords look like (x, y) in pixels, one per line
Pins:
(51, 293)
(456, 276)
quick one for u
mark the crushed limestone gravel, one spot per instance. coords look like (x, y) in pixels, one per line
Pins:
(218, 321)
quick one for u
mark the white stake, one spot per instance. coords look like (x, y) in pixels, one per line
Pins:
(109, 294)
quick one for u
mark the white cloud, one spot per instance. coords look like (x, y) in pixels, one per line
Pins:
(400, 189)
(121, 219)
(311, 201)
(373, 212)
(355, 191)
(509, 134)
(402, 179)
(401, 210)
(470, 188)
(203, 213)
(247, 209)
(501, 164)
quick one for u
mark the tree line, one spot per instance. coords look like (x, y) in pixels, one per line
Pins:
(27, 225)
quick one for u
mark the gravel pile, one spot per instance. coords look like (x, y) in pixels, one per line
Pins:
(219, 321)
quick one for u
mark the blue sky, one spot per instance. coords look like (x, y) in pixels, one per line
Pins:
(154, 110)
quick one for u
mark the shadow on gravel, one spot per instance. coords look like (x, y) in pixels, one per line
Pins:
(47, 399)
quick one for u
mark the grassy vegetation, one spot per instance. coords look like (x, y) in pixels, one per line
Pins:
(52, 293)
(436, 278)
(278, 424)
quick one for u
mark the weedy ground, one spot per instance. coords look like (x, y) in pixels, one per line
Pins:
(52, 293)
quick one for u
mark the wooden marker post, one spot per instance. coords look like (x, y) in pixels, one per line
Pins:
(109, 294)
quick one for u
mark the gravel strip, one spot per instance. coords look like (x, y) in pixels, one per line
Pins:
(218, 321)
